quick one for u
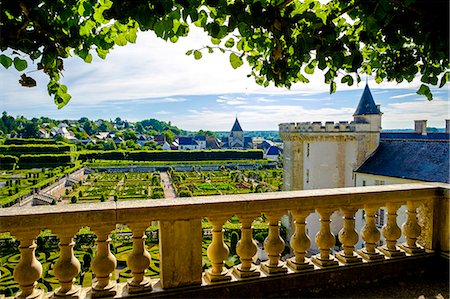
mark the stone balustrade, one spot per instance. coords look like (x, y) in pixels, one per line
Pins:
(180, 236)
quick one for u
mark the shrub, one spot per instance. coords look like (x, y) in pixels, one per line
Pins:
(8, 162)
(157, 195)
(74, 199)
(185, 193)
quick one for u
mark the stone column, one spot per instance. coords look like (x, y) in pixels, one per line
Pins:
(246, 248)
(177, 269)
(325, 240)
(29, 269)
(411, 229)
(371, 235)
(67, 267)
(348, 237)
(391, 232)
(104, 264)
(300, 242)
(217, 252)
(274, 245)
(138, 261)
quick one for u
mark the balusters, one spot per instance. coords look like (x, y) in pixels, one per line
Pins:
(138, 260)
(391, 232)
(29, 269)
(67, 267)
(348, 237)
(412, 230)
(300, 242)
(246, 248)
(103, 265)
(371, 235)
(217, 252)
(274, 245)
(325, 240)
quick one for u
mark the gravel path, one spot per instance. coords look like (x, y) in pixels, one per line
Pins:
(169, 191)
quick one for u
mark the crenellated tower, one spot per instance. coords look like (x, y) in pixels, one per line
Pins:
(324, 155)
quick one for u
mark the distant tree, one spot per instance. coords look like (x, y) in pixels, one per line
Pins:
(170, 137)
(129, 135)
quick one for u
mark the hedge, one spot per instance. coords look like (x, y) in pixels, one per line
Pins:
(29, 141)
(18, 150)
(101, 155)
(173, 155)
(27, 161)
(8, 162)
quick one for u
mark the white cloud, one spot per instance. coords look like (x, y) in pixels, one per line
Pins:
(405, 95)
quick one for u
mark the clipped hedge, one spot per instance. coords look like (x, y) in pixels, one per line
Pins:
(18, 150)
(31, 161)
(101, 155)
(173, 155)
(19, 141)
(8, 162)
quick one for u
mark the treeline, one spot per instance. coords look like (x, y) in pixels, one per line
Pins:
(171, 155)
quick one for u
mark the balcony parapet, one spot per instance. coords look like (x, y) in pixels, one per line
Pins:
(425, 229)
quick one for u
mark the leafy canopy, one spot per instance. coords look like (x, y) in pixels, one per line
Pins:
(283, 41)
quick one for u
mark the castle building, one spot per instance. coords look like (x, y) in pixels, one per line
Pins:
(236, 139)
(320, 155)
(343, 154)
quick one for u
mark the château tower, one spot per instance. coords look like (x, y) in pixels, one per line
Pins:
(318, 155)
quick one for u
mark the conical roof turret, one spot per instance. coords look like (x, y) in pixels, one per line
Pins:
(236, 126)
(366, 104)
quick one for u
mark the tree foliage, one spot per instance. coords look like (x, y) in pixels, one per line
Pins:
(283, 41)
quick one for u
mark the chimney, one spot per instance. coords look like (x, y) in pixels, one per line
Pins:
(447, 126)
(420, 126)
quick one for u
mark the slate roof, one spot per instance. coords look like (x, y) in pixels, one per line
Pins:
(414, 136)
(416, 160)
(366, 103)
(273, 150)
(200, 137)
(186, 141)
(236, 127)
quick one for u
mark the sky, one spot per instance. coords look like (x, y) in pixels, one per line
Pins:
(155, 79)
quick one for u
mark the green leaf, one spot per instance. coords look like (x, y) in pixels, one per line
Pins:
(235, 61)
(5, 61)
(229, 43)
(20, 64)
(425, 90)
(444, 79)
(189, 52)
(347, 79)
(215, 41)
(197, 54)
(332, 87)
(88, 58)
(121, 40)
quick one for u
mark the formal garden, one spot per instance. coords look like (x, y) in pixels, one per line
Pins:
(226, 181)
(16, 184)
(103, 186)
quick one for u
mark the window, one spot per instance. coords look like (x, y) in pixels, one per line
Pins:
(379, 218)
(379, 182)
(363, 182)
(307, 150)
(307, 176)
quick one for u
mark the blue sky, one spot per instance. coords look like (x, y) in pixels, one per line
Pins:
(155, 79)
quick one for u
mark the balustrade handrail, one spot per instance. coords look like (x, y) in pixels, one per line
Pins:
(204, 206)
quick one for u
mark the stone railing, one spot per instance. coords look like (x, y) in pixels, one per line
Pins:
(180, 236)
